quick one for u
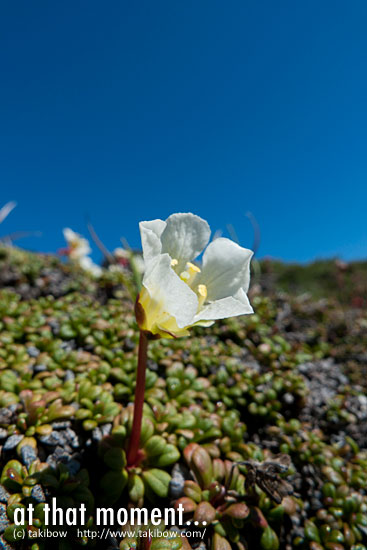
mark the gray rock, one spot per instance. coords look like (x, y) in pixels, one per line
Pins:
(68, 346)
(69, 375)
(60, 454)
(4, 495)
(12, 442)
(55, 326)
(28, 455)
(6, 415)
(38, 494)
(152, 365)
(177, 482)
(4, 545)
(61, 425)
(129, 345)
(53, 439)
(33, 351)
(73, 466)
(72, 438)
(40, 368)
(97, 434)
(4, 521)
(106, 429)
(288, 398)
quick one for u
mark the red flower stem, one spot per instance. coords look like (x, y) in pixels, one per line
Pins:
(133, 448)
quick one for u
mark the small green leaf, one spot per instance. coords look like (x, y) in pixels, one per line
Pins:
(158, 481)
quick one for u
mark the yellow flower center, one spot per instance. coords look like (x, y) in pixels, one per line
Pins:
(190, 273)
(188, 276)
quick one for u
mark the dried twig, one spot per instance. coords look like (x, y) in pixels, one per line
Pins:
(97, 241)
(256, 229)
(16, 235)
(6, 209)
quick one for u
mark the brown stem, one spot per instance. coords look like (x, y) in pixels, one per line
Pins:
(133, 448)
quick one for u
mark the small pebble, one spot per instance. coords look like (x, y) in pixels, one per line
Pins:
(12, 442)
(73, 466)
(4, 521)
(38, 494)
(68, 346)
(61, 425)
(152, 365)
(28, 455)
(3, 433)
(97, 434)
(129, 345)
(4, 495)
(40, 368)
(315, 504)
(60, 454)
(4, 545)
(69, 375)
(5, 415)
(72, 438)
(288, 398)
(177, 482)
(55, 325)
(33, 351)
(53, 439)
(231, 382)
(106, 429)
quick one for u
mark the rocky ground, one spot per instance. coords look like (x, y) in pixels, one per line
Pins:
(289, 380)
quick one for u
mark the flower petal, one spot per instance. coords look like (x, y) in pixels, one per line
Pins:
(168, 292)
(184, 238)
(87, 263)
(69, 234)
(150, 238)
(226, 269)
(231, 306)
(79, 245)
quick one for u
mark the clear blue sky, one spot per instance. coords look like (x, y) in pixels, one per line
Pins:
(126, 111)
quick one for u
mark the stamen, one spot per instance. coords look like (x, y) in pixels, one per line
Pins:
(193, 267)
(203, 293)
(174, 262)
(190, 273)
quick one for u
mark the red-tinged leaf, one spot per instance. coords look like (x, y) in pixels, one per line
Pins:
(201, 465)
(192, 490)
(187, 503)
(257, 518)
(238, 510)
(220, 543)
(205, 512)
(189, 450)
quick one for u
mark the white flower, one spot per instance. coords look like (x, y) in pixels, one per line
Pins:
(121, 253)
(115, 268)
(78, 246)
(125, 257)
(176, 293)
(139, 263)
(87, 264)
(78, 250)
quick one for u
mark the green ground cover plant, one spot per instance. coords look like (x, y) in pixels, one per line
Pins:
(221, 406)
